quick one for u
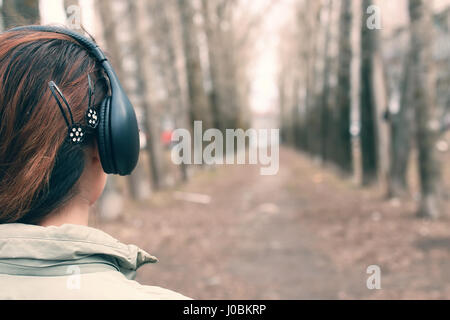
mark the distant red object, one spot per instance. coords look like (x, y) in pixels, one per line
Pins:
(166, 137)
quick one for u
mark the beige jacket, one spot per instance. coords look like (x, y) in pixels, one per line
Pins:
(71, 262)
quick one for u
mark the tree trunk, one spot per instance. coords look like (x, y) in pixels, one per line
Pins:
(325, 91)
(137, 51)
(401, 135)
(199, 105)
(68, 3)
(2, 25)
(420, 12)
(20, 12)
(216, 95)
(159, 10)
(282, 102)
(368, 112)
(343, 100)
(313, 120)
(109, 28)
(381, 96)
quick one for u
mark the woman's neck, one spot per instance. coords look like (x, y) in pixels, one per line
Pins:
(75, 212)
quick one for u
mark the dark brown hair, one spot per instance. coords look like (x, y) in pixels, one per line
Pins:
(39, 169)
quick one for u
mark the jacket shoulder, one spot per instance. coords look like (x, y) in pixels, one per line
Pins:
(118, 284)
(110, 285)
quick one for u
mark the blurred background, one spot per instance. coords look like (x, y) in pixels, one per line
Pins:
(360, 92)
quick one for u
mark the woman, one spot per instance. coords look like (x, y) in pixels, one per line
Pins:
(48, 82)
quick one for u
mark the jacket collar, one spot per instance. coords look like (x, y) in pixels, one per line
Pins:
(68, 244)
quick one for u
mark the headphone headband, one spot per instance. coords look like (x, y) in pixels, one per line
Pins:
(87, 43)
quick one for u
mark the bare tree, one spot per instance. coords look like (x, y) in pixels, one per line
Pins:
(311, 14)
(137, 53)
(324, 107)
(288, 83)
(109, 34)
(424, 86)
(227, 52)
(229, 28)
(368, 114)
(163, 33)
(20, 12)
(401, 134)
(343, 153)
(199, 106)
(214, 46)
(1, 20)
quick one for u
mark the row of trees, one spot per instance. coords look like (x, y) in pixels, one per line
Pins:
(337, 95)
(181, 61)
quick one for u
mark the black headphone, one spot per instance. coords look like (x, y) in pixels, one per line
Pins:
(117, 131)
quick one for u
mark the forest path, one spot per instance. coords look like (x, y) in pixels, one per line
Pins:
(305, 233)
(274, 251)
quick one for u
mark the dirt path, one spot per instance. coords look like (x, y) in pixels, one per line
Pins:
(276, 252)
(302, 234)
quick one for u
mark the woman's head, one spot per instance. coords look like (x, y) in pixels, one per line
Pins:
(39, 170)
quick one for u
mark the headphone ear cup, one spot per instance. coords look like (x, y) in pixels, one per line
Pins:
(104, 137)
